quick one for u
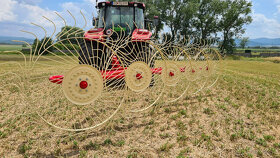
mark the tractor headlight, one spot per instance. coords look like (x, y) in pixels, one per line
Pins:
(109, 32)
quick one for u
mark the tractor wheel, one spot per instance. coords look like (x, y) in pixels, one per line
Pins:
(95, 54)
(85, 54)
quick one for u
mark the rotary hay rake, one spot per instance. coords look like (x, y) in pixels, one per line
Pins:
(91, 83)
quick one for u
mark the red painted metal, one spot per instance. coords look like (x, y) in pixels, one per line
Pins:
(139, 76)
(140, 35)
(183, 69)
(83, 84)
(56, 79)
(116, 64)
(156, 70)
(95, 34)
(95, 30)
(114, 74)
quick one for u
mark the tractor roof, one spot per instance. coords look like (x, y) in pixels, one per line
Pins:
(121, 4)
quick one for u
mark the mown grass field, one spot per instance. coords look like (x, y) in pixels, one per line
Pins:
(238, 117)
(258, 50)
(6, 47)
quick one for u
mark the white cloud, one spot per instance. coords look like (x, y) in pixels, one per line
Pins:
(75, 9)
(263, 27)
(6, 10)
(32, 2)
(93, 2)
(278, 9)
(35, 14)
(277, 6)
(23, 12)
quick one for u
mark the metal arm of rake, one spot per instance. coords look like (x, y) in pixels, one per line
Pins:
(117, 72)
(112, 74)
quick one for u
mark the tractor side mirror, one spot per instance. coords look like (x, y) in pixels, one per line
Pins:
(156, 21)
(94, 21)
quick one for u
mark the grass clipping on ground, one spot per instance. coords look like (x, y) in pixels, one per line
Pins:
(273, 59)
(238, 117)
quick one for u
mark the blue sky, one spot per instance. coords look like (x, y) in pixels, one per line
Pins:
(17, 15)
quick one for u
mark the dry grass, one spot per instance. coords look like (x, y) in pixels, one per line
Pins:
(238, 117)
(273, 59)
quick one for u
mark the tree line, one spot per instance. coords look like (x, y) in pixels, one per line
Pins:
(69, 38)
(221, 20)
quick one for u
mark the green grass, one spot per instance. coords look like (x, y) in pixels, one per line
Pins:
(10, 47)
(256, 50)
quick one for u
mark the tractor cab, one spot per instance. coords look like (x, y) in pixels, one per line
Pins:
(120, 18)
(115, 22)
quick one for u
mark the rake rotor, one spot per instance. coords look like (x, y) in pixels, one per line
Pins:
(84, 84)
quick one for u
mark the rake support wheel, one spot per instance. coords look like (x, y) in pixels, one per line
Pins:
(82, 85)
(138, 76)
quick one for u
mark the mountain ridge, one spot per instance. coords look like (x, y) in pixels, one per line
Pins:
(262, 42)
(9, 40)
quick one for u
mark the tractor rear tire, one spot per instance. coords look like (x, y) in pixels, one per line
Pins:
(95, 54)
(85, 54)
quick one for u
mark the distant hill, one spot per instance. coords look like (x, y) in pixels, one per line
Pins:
(263, 42)
(8, 40)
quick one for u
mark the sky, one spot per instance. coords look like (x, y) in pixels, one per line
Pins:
(16, 15)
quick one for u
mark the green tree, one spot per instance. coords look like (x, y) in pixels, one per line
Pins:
(234, 16)
(244, 41)
(153, 9)
(70, 34)
(206, 21)
(35, 44)
(189, 10)
(42, 47)
(170, 14)
(203, 19)
(46, 45)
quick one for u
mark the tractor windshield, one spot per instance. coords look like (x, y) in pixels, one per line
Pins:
(139, 18)
(101, 18)
(125, 17)
(119, 17)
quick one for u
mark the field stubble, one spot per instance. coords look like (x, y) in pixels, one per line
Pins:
(238, 117)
